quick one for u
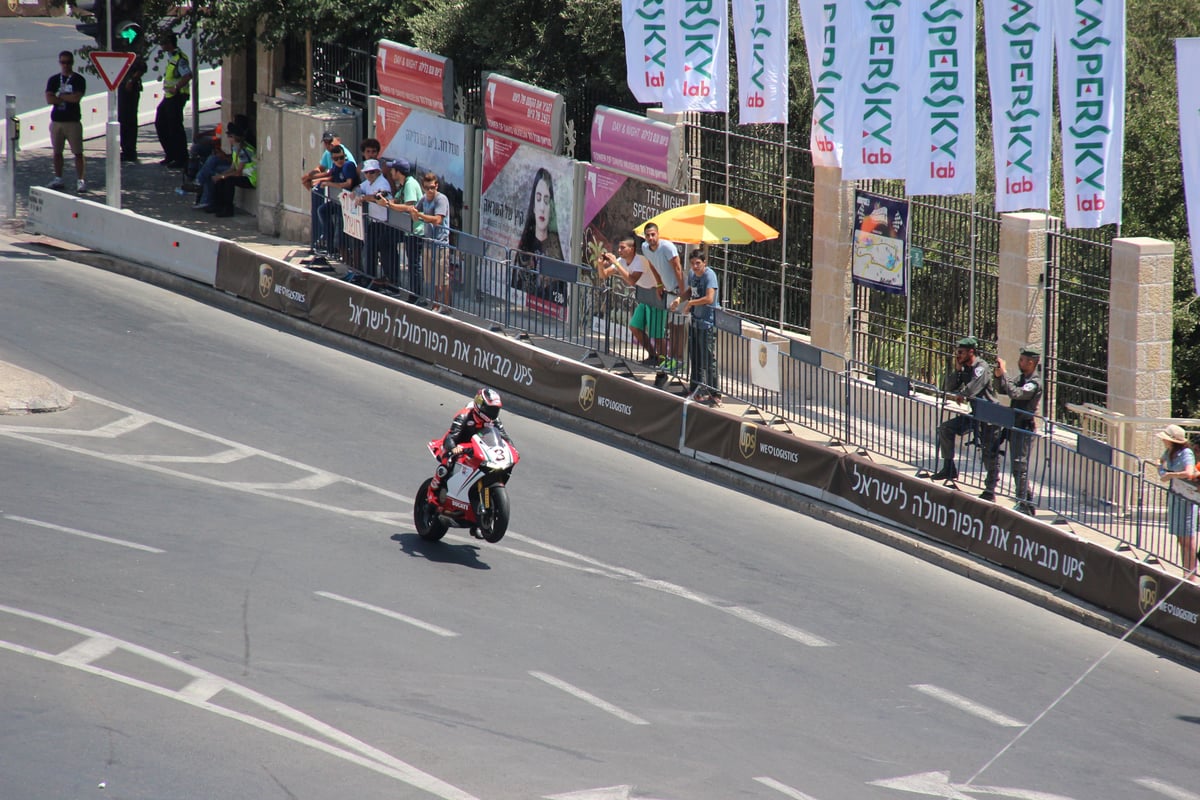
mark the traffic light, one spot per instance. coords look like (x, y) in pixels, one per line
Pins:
(94, 20)
(126, 19)
(127, 34)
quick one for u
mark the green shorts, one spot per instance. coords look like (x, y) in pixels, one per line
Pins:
(653, 321)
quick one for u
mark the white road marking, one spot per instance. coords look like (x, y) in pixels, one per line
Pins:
(202, 689)
(88, 650)
(332, 741)
(1166, 789)
(385, 612)
(222, 457)
(970, 706)
(591, 699)
(746, 615)
(784, 789)
(84, 534)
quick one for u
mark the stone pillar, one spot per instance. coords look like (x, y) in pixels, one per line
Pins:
(1021, 300)
(1139, 338)
(832, 292)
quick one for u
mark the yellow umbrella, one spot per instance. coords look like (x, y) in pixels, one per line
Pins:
(710, 223)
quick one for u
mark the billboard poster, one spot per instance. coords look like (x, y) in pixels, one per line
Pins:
(421, 79)
(527, 205)
(523, 112)
(635, 145)
(613, 205)
(880, 238)
(430, 143)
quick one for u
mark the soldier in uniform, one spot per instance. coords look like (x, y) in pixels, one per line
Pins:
(968, 382)
(1025, 394)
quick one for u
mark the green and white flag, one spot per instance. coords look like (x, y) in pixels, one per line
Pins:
(1090, 44)
(1020, 54)
(760, 31)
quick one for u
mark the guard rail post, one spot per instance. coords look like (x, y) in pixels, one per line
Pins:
(8, 191)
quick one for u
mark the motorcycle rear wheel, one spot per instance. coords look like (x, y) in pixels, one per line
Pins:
(428, 526)
(496, 518)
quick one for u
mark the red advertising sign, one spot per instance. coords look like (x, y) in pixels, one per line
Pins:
(415, 77)
(634, 145)
(523, 112)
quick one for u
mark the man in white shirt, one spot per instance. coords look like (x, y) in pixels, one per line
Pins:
(664, 257)
(367, 192)
(649, 323)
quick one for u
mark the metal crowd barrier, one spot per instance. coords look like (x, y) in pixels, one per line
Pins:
(1078, 479)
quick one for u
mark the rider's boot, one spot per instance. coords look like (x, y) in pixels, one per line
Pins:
(435, 485)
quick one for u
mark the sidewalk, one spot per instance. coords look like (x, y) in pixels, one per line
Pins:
(147, 188)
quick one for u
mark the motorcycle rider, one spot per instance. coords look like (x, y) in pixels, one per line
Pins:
(482, 412)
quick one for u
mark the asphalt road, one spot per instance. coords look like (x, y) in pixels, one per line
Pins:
(29, 48)
(212, 588)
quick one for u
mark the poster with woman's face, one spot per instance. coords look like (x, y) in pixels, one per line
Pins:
(527, 198)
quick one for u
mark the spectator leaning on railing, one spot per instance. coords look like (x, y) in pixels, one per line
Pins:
(1178, 461)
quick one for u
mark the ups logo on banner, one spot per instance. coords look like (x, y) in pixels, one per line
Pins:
(587, 392)
(266, 280)
(748, 440)
(1147, 593)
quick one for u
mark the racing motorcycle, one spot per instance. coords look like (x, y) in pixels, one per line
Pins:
(473, 494)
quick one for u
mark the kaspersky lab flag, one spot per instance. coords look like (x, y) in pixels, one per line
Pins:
(697, 74)
(941, 98)
(645, 24)
(827, 38)
(1089, 38)
(877, 83)
(1187, 66)
(760, 33)
(1020, 54)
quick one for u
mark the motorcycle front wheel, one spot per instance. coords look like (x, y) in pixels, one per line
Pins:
(429, 527)
(495, 517)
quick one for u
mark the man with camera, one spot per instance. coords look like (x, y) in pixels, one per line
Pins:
(373, 188)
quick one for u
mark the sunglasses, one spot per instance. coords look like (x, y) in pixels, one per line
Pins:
(67, 63)
(339, 158)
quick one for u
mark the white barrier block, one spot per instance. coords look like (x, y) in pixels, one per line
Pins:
(124, 234)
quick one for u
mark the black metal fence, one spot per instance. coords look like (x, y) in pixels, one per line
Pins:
(744, 167)
(1078, 278)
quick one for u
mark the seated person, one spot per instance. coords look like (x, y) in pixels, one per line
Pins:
(243, 172)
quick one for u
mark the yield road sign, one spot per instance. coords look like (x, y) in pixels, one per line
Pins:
(111, 66)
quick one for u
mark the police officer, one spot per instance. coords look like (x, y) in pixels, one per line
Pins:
(968, 382)
(168, 120)
(1025, 394)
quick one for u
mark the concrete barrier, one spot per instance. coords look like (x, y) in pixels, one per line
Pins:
(124, 234)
